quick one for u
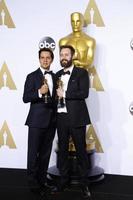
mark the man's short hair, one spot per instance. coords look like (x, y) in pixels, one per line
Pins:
(68, 47)
(48, 50)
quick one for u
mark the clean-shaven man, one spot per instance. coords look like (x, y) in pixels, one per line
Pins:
(39, 91)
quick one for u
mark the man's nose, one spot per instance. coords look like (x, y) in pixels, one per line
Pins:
(45, 59)
(63, 57)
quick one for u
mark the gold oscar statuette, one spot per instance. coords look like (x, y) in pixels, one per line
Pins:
(61, 101)
(45, 96)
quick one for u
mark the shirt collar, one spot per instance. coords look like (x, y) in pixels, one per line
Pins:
(69, 69)
(43, 70)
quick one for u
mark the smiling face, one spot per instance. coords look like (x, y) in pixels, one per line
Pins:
(77, 21)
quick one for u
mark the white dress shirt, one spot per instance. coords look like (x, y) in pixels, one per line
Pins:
(48, 77)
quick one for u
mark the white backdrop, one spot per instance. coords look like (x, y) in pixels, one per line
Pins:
(109, 109)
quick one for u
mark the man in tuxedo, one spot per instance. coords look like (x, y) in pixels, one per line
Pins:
(40, 91)
(72, 117)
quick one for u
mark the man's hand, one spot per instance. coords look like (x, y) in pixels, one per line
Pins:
(60, 92)
(44, 89)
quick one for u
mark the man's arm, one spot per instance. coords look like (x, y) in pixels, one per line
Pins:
(82, 91)
(30, 92)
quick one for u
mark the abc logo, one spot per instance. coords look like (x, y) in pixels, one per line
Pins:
(47, 42)
(131, 108)
(131, 44)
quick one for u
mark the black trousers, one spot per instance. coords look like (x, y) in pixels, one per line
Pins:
(39, 149)
(78, 134)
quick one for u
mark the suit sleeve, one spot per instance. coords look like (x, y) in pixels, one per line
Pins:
(82, 90)
(30, 92)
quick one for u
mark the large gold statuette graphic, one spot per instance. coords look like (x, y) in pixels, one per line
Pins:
(84, 46)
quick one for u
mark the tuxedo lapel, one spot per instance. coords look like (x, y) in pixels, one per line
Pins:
(72, 77)
(39, 77)
(54, 84)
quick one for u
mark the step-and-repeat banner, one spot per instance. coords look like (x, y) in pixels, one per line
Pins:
(25, 26)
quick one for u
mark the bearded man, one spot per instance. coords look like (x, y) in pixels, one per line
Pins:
(72, 117)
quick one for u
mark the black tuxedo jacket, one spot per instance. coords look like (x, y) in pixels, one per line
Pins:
(77, 92)
(41, 115)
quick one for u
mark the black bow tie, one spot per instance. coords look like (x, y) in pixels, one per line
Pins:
(67, 72)
(47, 72)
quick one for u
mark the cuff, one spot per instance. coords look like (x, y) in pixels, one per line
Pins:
(39, 94)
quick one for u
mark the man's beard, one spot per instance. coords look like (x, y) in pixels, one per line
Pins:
(66, 63)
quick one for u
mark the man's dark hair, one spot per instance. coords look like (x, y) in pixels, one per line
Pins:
(69, 47)
(48, 50)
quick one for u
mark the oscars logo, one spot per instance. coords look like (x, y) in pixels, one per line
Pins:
(5, 18)
(92, 15)
(6, 139)
(47, 42)
(6, 80)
